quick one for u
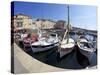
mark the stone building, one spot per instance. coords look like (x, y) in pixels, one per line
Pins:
(21, 21)
(60, 24)
(44, 23)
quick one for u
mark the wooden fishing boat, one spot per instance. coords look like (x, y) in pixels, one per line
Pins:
(67, 44)
(45, 43)
(85, 47)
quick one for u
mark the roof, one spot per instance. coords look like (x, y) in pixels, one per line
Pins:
(22, 15)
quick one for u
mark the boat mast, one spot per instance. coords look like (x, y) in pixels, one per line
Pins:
(68, 28)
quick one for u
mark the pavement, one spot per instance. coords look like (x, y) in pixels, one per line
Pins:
(24, 63)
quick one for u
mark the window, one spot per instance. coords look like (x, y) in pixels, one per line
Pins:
(33, 22)
(19, 24)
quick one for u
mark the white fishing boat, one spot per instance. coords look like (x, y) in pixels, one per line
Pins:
(67, 44)
(66, 48)
(45, 43)
(46, 40)
(85, 47)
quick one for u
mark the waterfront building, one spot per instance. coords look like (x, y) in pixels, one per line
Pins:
(21, 21)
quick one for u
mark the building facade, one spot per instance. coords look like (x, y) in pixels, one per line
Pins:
(21, 21)
(44, 23)
(60, 24)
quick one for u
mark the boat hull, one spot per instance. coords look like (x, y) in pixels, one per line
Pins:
(86, 53)
(66, 48)
(65, 51)
(40, 48)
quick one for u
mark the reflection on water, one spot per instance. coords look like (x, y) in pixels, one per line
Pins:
(73, 60)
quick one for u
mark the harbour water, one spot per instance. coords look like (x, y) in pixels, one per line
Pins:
(73, 60)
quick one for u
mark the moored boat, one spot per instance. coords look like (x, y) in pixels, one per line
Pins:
(85, 47)
(67, 44)
(66, 48)
(45, 43)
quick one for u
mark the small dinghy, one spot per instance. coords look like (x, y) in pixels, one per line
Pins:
(85, 47)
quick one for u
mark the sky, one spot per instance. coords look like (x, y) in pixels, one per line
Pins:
(82, 16)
